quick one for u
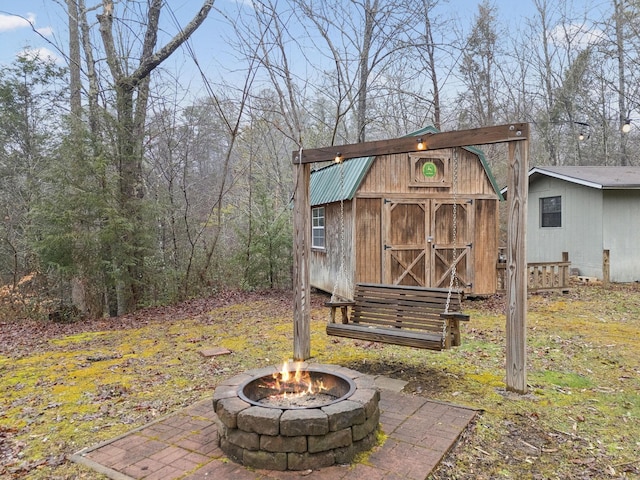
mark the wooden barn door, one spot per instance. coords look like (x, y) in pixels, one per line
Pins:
(443, 243)
(418, 246)
(406, 251)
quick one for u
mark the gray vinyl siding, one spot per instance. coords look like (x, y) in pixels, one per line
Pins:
(622, 233)
(581, 231)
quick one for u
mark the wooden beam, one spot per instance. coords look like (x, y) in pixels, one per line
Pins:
(301, 252)
(434, 141)
(517, 271)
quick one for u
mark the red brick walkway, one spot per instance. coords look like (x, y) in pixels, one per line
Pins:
(185, 446)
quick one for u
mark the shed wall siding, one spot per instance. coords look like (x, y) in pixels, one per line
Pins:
(391, 174)
(326, 263)
(621, 227)
(581, 230)
(368, 241)
(485, 235)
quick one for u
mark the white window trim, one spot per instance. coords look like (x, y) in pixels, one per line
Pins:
(318, 228)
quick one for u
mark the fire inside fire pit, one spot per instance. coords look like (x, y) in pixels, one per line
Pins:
(307, 388)
(298, 418)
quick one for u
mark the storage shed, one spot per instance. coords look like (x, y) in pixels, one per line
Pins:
(390, 219)
(591, 212)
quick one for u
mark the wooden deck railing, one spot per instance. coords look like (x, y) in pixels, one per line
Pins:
(543, 276)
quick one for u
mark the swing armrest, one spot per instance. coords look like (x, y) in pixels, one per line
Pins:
(453, 319)
(455, 316)
(343, 305)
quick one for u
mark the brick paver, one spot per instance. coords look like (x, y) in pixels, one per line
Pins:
(184, 446)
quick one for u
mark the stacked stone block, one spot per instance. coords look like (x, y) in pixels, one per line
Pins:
(297, 439)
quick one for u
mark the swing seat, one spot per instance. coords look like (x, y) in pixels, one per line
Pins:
(399, 315)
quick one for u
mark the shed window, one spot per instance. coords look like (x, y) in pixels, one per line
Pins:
(551, 212)
(317, 227)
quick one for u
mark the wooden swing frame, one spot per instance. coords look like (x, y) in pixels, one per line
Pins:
(516, 135)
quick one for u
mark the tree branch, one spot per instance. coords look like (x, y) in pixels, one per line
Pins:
(152, 61)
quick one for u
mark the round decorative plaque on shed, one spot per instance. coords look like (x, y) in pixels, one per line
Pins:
(429, 169)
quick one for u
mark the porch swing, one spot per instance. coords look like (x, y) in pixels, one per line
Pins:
(412, 316)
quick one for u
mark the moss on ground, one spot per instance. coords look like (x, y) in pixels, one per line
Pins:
(581, 418)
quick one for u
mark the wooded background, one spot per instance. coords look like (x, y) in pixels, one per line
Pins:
(119, 189)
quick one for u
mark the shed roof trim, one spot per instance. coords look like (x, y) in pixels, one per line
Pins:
(326, 187)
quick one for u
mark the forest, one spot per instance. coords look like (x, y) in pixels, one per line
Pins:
(120, 188)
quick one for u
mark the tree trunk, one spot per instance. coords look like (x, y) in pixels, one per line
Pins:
(129, 254)
(622, 104)
(433, 72)
(363, 69)
(86, 290)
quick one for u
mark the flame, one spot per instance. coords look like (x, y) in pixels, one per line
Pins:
(295, 382)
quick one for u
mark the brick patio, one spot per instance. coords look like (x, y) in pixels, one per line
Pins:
(185, 445)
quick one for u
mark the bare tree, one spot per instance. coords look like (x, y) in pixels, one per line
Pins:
(623, 114)
(362, 39)
(131, 85)
(430, 56)
(478, 68)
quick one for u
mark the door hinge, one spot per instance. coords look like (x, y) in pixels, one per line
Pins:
(386, 200)
(387, 247)
(470, 201)
(470, 245)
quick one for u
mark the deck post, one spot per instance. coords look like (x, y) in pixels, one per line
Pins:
(301, 251)
(606, 268)
(565, 270)
(517, 271)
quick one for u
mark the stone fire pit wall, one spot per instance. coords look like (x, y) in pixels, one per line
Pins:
(297, 439)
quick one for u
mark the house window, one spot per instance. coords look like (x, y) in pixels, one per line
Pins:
(551, 212)
(317, 227)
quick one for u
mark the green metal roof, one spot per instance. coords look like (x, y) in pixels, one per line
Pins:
(326, 187)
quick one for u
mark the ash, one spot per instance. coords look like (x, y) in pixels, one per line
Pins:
(305, 401)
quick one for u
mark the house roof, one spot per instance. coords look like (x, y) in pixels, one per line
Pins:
(326, 185)
(600, 177)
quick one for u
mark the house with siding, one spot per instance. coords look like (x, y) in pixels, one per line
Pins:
(591, 212)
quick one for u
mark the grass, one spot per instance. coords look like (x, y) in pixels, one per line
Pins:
(580, 419)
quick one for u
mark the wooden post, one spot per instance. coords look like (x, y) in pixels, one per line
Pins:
(301, 249)
(516, 274)
(606, 268)
(566, 273)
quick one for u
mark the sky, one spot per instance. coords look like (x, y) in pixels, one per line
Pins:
(41, 24)
(49, 22)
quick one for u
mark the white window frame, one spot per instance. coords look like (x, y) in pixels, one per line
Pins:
(318, 233)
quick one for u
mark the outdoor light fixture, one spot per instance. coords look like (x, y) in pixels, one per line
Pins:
(626, 127)
(421, 145)
(338, 158)
(581, 136)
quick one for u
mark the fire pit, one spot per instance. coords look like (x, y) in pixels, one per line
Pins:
(298, 418)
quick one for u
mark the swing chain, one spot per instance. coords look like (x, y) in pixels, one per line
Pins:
(454, 277)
